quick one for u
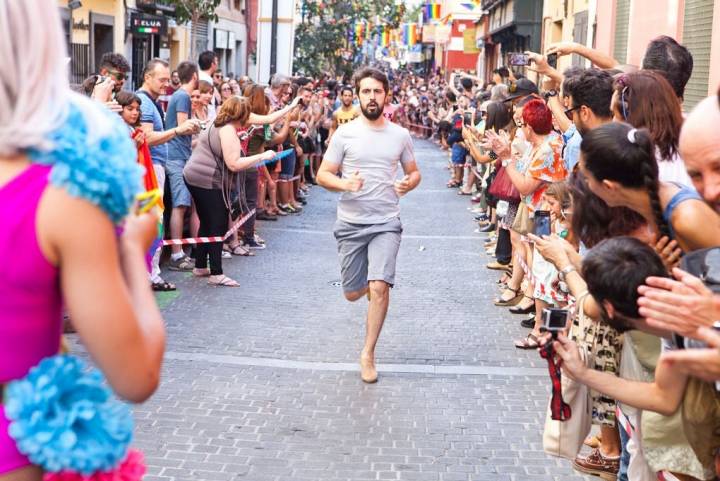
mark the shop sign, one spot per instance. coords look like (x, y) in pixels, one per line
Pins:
(144, 24)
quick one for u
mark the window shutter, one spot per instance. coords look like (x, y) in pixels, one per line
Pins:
(622, 20)
(697, 33)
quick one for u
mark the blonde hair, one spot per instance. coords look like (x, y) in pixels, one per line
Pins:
(234, 109)
(34, 89)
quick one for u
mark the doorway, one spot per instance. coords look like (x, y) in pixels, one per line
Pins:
(101, 38)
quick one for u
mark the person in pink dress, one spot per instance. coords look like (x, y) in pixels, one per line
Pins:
(68, 177)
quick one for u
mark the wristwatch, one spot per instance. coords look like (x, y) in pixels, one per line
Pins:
(550, 93)
(565, 271)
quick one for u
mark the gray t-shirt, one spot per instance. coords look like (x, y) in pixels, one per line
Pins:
(375, 153)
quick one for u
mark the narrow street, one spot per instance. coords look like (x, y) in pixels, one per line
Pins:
(261, 382)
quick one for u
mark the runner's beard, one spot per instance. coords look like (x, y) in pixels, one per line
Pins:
(371, 114)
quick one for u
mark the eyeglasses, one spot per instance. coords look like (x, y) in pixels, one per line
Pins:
(570, 111)
(226, 89)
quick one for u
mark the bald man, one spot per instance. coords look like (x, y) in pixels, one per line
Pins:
(700, 149)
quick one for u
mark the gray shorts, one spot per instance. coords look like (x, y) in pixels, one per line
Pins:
(178, 190)
(368, 252)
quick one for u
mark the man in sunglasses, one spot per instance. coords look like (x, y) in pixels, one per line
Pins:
(116, 67)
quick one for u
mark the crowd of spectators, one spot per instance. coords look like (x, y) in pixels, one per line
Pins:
(598, 195)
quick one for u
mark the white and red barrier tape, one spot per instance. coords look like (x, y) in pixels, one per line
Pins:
(293, 179)
(207, 240)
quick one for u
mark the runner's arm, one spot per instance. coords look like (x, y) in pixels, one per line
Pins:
(327, 177)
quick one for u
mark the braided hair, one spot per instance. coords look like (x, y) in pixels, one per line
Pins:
(617, 151)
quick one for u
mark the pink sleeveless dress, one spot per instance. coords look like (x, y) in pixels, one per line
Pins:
(30, 301)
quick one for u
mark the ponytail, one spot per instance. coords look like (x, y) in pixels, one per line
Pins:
(617, 151)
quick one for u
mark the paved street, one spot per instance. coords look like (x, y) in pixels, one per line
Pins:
(261, 382)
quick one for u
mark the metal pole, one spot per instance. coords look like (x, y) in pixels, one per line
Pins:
(273, 38)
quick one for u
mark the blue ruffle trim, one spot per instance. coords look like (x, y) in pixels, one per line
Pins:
(104, 172)
(65, 418)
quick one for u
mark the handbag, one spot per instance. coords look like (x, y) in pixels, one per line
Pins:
(523, 223)
(502, 187)
(565, 438)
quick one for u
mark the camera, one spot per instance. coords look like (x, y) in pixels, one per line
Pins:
(203, 125)
(554, 320)
(518, 59)
(542, 223)
(552, 60)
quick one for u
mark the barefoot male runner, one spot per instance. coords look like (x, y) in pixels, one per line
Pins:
(367, 151)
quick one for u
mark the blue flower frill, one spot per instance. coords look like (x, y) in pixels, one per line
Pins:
(103, 171)
(63, 416)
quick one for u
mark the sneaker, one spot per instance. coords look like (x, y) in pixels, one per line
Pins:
(226, 255)
(598, 465)
(302, 200)
(487, 228)
(298, 208)
(253, 244)
(260, 240)
(287, 208)
(262, 215)
(528, 323)
(184, 264)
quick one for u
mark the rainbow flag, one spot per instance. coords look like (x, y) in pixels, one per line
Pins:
(409, 34)
(432, 11)
(385, 37)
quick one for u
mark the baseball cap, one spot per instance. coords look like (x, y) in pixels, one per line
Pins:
(521, 88)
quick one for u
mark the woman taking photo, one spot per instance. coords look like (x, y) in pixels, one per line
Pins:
(619, 164)
(210, 177)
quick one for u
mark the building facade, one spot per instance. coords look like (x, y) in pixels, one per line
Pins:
(230, 36)
(280, 61)
(455, 37)
(624, 28)
(509, 26)
(145, 29)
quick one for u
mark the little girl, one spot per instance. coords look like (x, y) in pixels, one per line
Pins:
(557, 200)
(130, 114)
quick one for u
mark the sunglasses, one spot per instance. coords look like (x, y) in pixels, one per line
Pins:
(118, 75)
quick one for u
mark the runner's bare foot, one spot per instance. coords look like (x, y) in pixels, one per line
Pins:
(368, 373)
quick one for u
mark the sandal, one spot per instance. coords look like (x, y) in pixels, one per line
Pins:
(504, 301)
(462, 192)
(530, 342)
(222, 281)
(163, 286)
(453, 184)
(521, 308)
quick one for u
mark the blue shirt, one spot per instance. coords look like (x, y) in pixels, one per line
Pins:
(180, 146)
(150, 113)
(571, 151)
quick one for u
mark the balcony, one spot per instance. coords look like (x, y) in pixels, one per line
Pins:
(154, 6)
